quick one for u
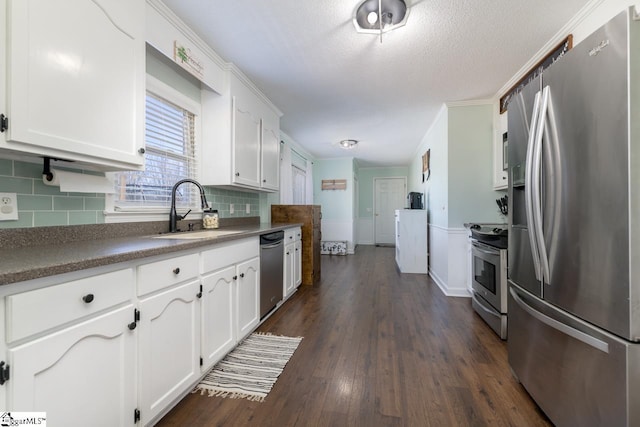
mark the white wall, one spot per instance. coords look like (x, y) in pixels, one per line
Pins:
(337, 205)
(471, 196)
(460, 187)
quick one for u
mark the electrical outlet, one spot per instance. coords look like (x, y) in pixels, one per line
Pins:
(8, 207)
(231, 210)
(248, 210)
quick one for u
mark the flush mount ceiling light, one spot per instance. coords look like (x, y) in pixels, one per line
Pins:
(348, 144)
(380, 16)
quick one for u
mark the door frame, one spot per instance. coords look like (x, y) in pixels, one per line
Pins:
(375, 218)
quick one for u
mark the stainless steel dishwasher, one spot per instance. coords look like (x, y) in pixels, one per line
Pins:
(271, 270)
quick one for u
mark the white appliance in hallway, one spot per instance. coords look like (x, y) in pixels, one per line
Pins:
(574, 238)
(412, 241)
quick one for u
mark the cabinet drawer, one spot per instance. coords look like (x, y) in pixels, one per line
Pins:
(161, 274)
(230, 253)
(292, 235)
(35, 311)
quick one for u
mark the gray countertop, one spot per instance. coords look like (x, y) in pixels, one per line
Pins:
(35, 253)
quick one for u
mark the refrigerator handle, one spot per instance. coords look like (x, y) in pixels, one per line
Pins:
(528, 186)
(559, 326)
(535, 190)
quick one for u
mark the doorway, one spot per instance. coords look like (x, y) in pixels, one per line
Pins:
(389, 195)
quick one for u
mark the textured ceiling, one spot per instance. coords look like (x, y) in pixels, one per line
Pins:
(333, 83)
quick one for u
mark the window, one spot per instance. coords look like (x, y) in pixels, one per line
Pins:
(170, 143)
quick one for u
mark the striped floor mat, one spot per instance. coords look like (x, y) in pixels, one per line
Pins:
(251, 369)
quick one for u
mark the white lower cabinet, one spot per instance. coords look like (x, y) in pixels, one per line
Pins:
(292, 260)
(83, 375)
(218, 311)
(118, 348)
(247, 297)
(169, 342)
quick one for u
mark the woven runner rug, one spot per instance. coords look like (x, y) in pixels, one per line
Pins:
(251, 369)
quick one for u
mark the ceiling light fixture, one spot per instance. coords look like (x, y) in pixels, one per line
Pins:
(380, 16)
(348, 144)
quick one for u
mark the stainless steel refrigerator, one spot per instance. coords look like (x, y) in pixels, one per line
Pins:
(574, 238)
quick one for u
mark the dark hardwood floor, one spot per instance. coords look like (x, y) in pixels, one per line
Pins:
(380, 348)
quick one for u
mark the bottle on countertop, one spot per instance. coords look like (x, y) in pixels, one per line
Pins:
(210, 219)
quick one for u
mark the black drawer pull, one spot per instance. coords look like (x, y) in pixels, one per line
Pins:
(87, 298)
(176, 270)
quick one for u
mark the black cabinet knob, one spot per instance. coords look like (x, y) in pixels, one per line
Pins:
(241, 274)
(237, 173)
(176, 270)
(87, 298)
(235, 277)
(132, 325)
(142, 151)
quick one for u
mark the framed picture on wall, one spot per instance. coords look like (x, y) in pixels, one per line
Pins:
(505, 152)
(426, 171)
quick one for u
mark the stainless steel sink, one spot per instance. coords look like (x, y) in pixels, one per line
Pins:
(204, 234)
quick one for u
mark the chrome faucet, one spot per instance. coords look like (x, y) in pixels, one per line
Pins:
(173, 215)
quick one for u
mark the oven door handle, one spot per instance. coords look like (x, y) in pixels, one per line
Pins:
(486, 251)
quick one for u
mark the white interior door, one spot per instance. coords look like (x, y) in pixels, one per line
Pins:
(389, 194)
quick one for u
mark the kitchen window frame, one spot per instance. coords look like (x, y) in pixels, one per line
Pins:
(156, 213)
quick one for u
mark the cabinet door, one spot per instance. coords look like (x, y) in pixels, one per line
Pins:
(217, 315)
(246, 145)
(248, 297)
(80, 376)
(76, 80)
(288, 269)
(270, 168)
(297, 263)
(500, 176)
(169, 342)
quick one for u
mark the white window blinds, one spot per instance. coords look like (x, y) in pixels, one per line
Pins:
(170, 157)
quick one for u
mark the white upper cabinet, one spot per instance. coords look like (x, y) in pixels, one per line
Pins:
(75, 80)
(245, 141)
(500, 155)
(270, 157)
(241, 138)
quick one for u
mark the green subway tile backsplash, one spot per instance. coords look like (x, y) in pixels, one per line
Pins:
(65, 203)
(44, 219)
(78, 218)
(17, 185)
(27, 170)
(94, 203)
(34, 203)
(43, 205)
(6, 167)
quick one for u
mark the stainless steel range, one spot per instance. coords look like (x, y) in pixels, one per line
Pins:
(489, 274)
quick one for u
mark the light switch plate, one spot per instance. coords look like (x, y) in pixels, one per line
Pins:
(248, 210)
(8, 207)
(231, 210)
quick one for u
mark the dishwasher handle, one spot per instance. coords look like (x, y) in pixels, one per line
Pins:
(271, 246)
